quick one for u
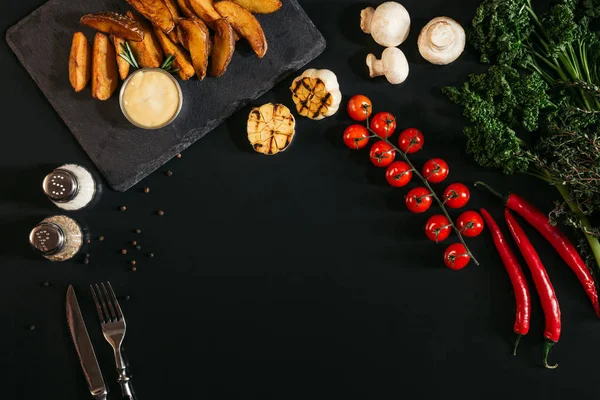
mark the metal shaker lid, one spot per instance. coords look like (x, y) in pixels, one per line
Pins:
(47, 238)
(60, 185)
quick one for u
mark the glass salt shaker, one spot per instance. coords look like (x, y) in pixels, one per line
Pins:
(70, 186)
(57, 238)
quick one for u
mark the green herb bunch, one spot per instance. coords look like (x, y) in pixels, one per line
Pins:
(537, 108)
(127, 54)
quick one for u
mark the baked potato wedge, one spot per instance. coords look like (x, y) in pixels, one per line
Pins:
(223, 48)
(186, 9)
(80, 62)
(104, 68)
(182, 59)
(174, 10)
(115, 24)
(260, 6)
(148, 52)
(156, 11)
(205, 10)
(196, 38)
(245, 24)
(122, 65)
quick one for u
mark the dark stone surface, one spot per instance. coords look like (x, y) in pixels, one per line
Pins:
(126, 154)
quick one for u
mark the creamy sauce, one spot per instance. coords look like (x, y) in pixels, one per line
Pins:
(150, 98)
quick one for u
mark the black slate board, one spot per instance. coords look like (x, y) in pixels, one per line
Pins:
(125, 154)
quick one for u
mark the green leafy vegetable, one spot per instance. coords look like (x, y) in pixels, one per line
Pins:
(537, 108)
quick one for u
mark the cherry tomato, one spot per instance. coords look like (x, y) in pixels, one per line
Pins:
(383, 124)
(418, 200)
(456, 256)
(411, 140)
(359, 107)
(382, 154)
(356, 136)
(470, 223)
(398, 174)
(456, 195)
(435, 170)
(438, 228)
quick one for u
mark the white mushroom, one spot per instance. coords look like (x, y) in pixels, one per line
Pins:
(442, 41)
(389, 24)
(393, 65)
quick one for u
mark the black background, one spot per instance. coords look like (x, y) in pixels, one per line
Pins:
(288, 277)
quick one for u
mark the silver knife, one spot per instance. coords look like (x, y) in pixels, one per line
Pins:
(84, 348)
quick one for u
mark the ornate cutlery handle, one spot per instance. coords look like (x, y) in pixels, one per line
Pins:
(123, 377)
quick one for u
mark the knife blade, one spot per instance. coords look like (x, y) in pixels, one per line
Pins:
(84, 348)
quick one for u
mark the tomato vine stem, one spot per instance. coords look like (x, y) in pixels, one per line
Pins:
(428, 186)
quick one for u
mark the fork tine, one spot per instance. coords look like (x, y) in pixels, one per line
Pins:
(113, 316)
(114, 298)
(98, 308)
(102, 303)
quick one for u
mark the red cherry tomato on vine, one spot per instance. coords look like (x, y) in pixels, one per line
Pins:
(456, 256)
(470, 223)
(456, 195)
(382, 154)
(411, 140)
(435, 170)
(359, 107)
(418, 200)
(383, 124)
(438, 228)
(356, 136)
(398, 174)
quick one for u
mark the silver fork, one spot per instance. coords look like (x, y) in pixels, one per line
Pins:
(113, 326)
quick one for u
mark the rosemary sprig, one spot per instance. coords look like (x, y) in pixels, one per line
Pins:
(127, 54)
(167, 65)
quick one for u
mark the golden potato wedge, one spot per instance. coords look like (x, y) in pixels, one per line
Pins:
(196, 38)
(260, 6)
(186, 9)
(115, 24)
(174, 10)
(182, 59)
(122, 65)
(245, 24)
(148, 52)
(80, 62)
(104, 68)
(156, 11)
(223, 48)
(205, 10)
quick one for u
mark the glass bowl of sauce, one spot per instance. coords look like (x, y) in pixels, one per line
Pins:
(151, 98)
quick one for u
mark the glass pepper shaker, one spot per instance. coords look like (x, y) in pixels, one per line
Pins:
(57, 238)
(71, 187)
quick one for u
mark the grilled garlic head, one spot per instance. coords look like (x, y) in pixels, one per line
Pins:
(316, 93)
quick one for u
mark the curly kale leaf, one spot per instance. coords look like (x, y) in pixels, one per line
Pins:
(500, 30)
(500, 103)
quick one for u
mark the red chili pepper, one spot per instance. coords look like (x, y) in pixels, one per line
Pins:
(557, 239)
(542, 285)
(517, 278)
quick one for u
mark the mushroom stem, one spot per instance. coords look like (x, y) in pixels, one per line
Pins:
(375, 66)
(366, 16)
(441, 35)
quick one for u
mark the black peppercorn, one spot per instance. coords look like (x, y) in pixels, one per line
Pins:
(86, 261)
(147, 190)
(88, 241)
(138, 231)
(127, 297)
(138, 247)
(169, 173)
(123, 251)
(31, 327)
(134, 269)
(161, 212)
(87, 255)
(123, 208)
(150, 255)
(101, 238)
(46, 284)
